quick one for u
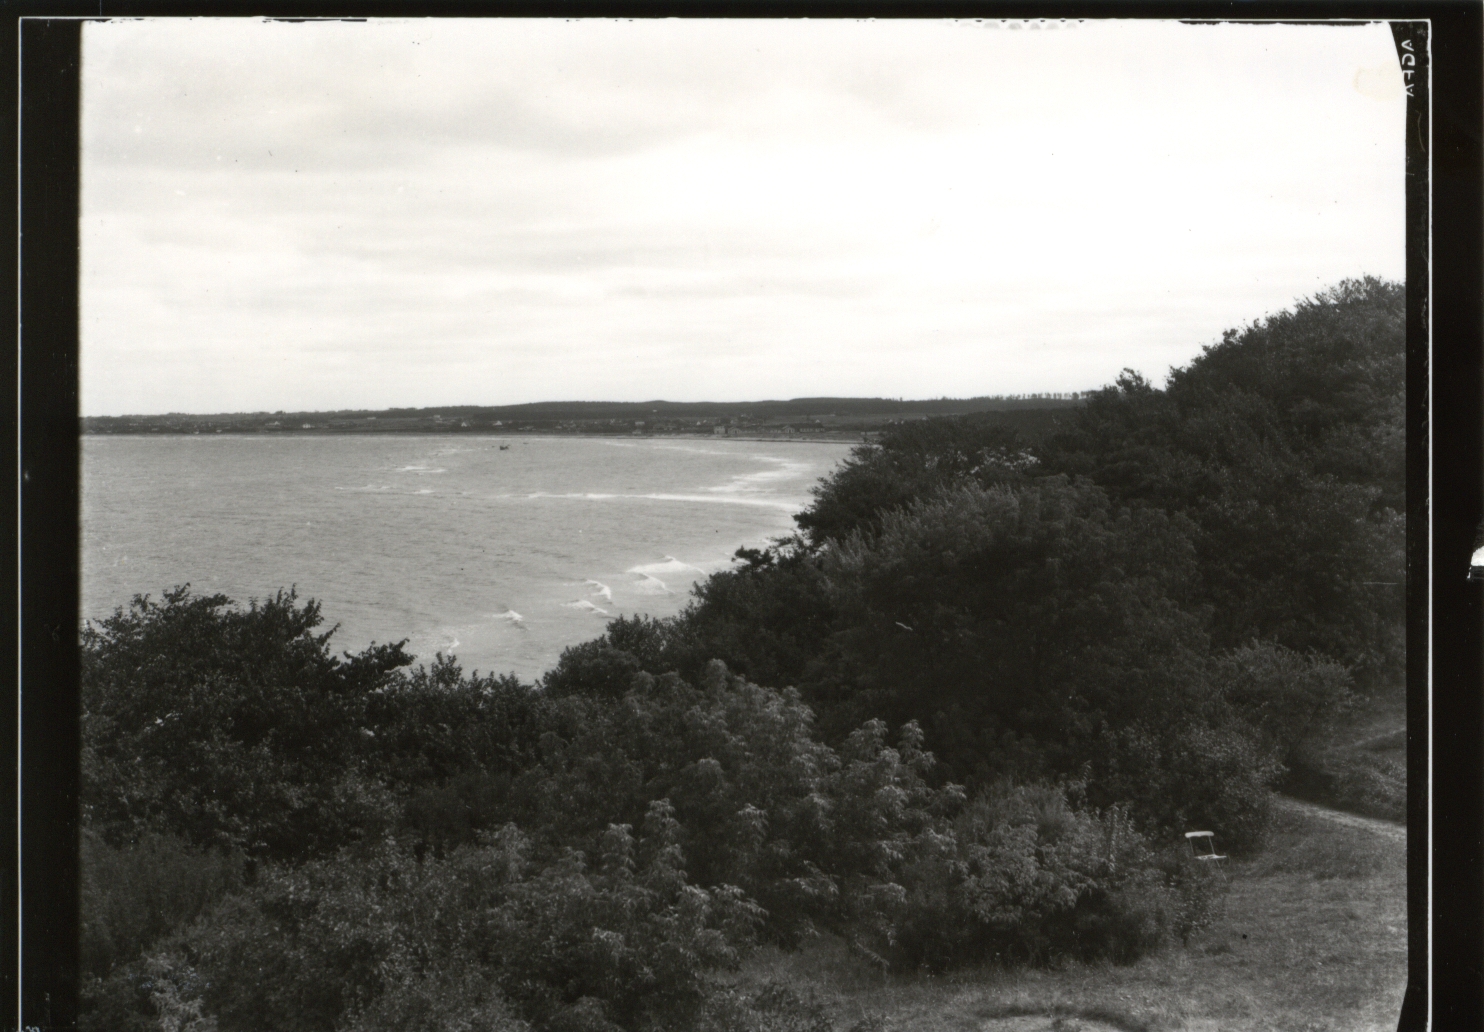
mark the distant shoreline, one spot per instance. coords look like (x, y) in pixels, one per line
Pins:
(825, 437)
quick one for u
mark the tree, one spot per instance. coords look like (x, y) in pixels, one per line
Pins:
(230, 727)
(1283, 444)
(909, 461)
(1012, 622)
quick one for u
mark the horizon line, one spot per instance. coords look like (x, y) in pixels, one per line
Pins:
(831, 399)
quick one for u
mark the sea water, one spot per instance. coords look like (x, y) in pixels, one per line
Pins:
(499, 551)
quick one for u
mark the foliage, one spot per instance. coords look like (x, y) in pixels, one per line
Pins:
(435, 723)
(1032, 629)
(1031, 877)
(1186, 776)
(438, 1001)
(806, 831)
(1037, 611)
(230, 727)
(1285, 444)
(907, 462)
(765, 619)
(133, 895)
(1286, 695)
(624, 942)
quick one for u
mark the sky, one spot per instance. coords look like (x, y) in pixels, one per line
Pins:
(425, 212)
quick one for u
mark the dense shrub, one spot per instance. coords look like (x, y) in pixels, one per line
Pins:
(1039, 610)
(467, 1000)
(806, 830)
(907, 462)
(766, 618)
(623, 942)
(1188, 776)
(1284, 443)
(230, 727)
(1287, 696)
(1028, 877)
(135, 894)
(432, 724)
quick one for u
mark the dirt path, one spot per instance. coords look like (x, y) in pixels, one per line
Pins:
(1386, 829)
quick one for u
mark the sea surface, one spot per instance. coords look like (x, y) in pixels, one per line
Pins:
(500, 551)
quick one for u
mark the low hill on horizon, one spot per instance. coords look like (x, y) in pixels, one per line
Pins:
(826, 413)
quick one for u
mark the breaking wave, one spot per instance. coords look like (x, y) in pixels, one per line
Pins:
(587, 607)
(650, 581)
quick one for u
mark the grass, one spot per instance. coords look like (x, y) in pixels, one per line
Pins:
(1313, 939)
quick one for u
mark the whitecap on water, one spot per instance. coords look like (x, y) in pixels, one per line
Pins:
(603, 591)
(650, 582)
(671, 566)
(586, 606)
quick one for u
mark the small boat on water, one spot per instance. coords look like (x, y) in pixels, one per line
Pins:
(504, 447)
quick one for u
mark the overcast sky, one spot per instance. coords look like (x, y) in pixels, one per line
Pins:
(429, 212)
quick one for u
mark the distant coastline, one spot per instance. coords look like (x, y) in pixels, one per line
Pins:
(801, 419)
(826, 437)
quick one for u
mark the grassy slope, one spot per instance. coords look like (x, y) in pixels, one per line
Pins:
(1360, 765)
(1313, 939)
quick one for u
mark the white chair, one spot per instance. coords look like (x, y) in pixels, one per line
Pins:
(1203, 848)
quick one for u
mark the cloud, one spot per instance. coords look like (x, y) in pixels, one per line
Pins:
(422, 212)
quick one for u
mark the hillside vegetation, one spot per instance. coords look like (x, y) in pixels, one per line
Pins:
(957, 723)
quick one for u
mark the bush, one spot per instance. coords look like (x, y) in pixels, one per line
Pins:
(134, 895)
(1284, 443)
(435, 1001)
(1031, 878)
(772, 1007)
(121, 1002)
(908, 462)
(814, 835)
(228, 727)
(627, 942)
(1287, 696)
(1193, 776)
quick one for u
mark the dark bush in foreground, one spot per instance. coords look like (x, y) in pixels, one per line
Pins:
(624, 941)
(1029, 878)
(133, 895)
(230, 727)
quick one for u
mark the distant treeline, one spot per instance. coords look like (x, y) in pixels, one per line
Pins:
(547, 414)
(964, 715)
